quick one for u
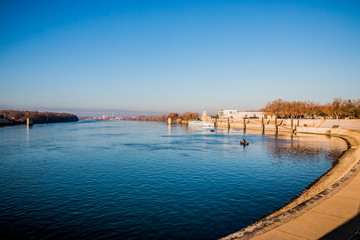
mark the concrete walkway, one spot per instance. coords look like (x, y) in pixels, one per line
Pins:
(333, 213)
(336, 218)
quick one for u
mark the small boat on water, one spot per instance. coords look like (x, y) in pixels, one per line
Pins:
(243, 142)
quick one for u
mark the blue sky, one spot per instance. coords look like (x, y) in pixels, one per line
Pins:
(166, 56)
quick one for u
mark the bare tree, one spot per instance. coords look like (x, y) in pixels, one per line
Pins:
(275, 108)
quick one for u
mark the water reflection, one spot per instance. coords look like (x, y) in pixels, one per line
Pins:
(28, 135)
(160, 183)
(303, 148)
(169, 134)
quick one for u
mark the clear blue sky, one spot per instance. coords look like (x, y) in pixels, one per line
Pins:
(176, 55)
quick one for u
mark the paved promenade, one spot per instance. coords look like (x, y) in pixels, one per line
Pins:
(333, 213)
(338, 217)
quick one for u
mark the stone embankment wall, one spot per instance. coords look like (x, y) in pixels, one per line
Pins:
(346, 129)
(285, 124)
(345, 163)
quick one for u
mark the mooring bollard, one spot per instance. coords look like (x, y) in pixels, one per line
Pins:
(244, 122)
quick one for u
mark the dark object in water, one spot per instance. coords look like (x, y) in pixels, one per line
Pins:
(244, 142)
(212, 130)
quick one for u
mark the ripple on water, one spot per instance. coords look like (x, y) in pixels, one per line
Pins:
(134, 180)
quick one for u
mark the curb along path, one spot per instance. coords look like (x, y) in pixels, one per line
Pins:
(328, 210)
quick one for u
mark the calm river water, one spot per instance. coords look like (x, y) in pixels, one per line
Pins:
(140, 180)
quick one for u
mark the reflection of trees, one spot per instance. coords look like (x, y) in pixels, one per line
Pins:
(295, 151)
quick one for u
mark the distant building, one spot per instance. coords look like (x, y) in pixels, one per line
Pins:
(234, 114)
(204, 124)
(227, 113)
(205, 117)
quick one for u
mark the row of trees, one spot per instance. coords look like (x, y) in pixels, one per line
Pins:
(338, 108)
(38, 117)
(184, 118)
(175, 117)
(158, 118)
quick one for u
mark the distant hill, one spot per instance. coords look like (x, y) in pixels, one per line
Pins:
(19, 117)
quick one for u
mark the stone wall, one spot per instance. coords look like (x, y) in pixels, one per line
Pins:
(346, 129)
(285, 124)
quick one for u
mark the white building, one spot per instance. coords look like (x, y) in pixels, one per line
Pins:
(234, 114)
(227, 113)
(204, 124)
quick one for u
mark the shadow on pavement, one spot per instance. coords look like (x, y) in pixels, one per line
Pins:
(348, 231)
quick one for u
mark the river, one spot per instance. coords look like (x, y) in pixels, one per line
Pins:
(142, 180)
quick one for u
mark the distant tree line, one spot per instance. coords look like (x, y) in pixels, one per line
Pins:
(338, 108)
(37, 117)
(175, 117)
(158, 118)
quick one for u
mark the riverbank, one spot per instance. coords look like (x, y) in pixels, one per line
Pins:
(284, 125)
(318, 212)
(15, 117)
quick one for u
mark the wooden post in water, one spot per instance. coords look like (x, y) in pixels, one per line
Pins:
(228, 124)
(244, 125)
(169, 121)
(276, 126)
(29, 122)
(292, 124)
(263, 125)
